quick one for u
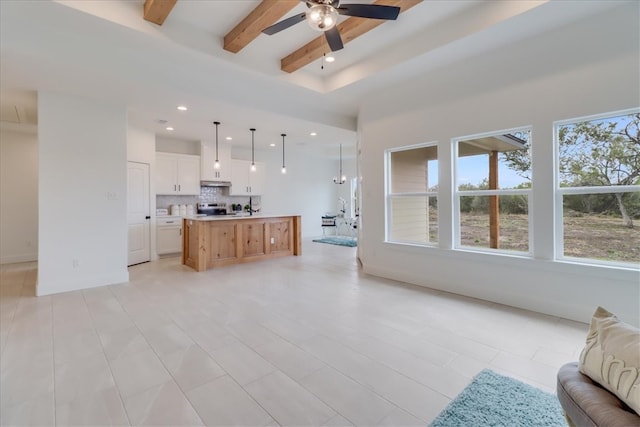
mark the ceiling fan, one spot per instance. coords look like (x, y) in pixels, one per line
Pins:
(323, 16)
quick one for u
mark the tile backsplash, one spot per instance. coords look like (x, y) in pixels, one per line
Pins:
(213, 194)
(207, 195)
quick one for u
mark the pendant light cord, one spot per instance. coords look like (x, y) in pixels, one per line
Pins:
(339, 179)
(216, 123)
(283, 135)
(252, 147)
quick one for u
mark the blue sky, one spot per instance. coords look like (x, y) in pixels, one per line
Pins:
(473, 169)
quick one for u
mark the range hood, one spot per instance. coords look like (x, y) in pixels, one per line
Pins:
(215, 184)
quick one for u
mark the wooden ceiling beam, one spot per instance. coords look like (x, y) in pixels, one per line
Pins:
(156, 11)
(350, 29)
(263, 16)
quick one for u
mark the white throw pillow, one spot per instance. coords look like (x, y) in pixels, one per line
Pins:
(611, 357)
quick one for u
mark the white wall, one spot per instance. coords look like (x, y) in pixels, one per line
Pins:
(82, 193)
(587, 68)
(141, 148)
(306, 189)
(18, 196)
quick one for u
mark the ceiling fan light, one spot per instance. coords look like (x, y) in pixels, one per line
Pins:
(328, 22)
(322, 17)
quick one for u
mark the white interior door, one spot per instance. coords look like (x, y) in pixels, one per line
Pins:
(138, 215)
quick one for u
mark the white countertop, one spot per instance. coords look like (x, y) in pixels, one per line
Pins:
(237, 216)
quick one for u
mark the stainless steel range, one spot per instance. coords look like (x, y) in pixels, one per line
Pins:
(210, 209)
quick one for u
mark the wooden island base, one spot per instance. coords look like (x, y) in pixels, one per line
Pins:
(215, 242)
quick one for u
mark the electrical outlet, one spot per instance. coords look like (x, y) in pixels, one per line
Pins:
(76, 263)
(273, 240)
(112, 195)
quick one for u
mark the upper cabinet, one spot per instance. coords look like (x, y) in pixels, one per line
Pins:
(208, 158)
(177, 174)
(244, 181)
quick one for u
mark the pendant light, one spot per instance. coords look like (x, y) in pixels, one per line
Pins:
(342, 179)
(253, 163)
(284, 168)
(216, 164)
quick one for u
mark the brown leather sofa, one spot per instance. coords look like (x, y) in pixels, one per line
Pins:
(586, 403)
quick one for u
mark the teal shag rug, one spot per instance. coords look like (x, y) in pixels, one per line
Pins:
(495, 400)
(340, 241)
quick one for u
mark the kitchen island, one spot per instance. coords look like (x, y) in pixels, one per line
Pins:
(216, 241)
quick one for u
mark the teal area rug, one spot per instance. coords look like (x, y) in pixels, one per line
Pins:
(337, 240)
(495, 400)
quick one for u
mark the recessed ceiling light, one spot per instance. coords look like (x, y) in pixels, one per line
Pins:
(169, 128)
(272, 145)
(182, 108)
(228, 138)
(329, 58)
(313, 134)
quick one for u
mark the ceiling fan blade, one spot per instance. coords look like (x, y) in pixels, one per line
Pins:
(334, 39)
(374, 11)
(284, 24)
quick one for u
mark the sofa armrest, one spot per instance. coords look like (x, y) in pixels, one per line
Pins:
(588, 404)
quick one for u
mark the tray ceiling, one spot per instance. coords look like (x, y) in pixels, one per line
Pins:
(105, 50)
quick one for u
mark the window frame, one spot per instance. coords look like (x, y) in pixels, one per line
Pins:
(389, 195)
(457, 194)
(560, 192)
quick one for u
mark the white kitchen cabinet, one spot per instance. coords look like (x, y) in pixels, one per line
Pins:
(208, 158)
(168, 235)
(244, 181)
(177, 174)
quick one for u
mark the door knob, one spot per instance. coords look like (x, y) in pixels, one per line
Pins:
(147, 217)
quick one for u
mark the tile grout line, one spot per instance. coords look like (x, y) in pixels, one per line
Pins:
(163, 364)
(13, 314)
(326, 365)
(124, 407)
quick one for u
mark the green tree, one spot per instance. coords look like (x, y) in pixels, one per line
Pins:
(520, 160)
(595, 153)
(602, 153)
(474, 203)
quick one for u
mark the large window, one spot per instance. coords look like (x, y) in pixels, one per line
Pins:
(598, 195)
(412, 203)
(493, 191)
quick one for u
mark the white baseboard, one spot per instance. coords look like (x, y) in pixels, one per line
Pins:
(10, 259)
(75, 284)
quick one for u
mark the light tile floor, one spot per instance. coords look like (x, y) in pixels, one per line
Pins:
(295, 341)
